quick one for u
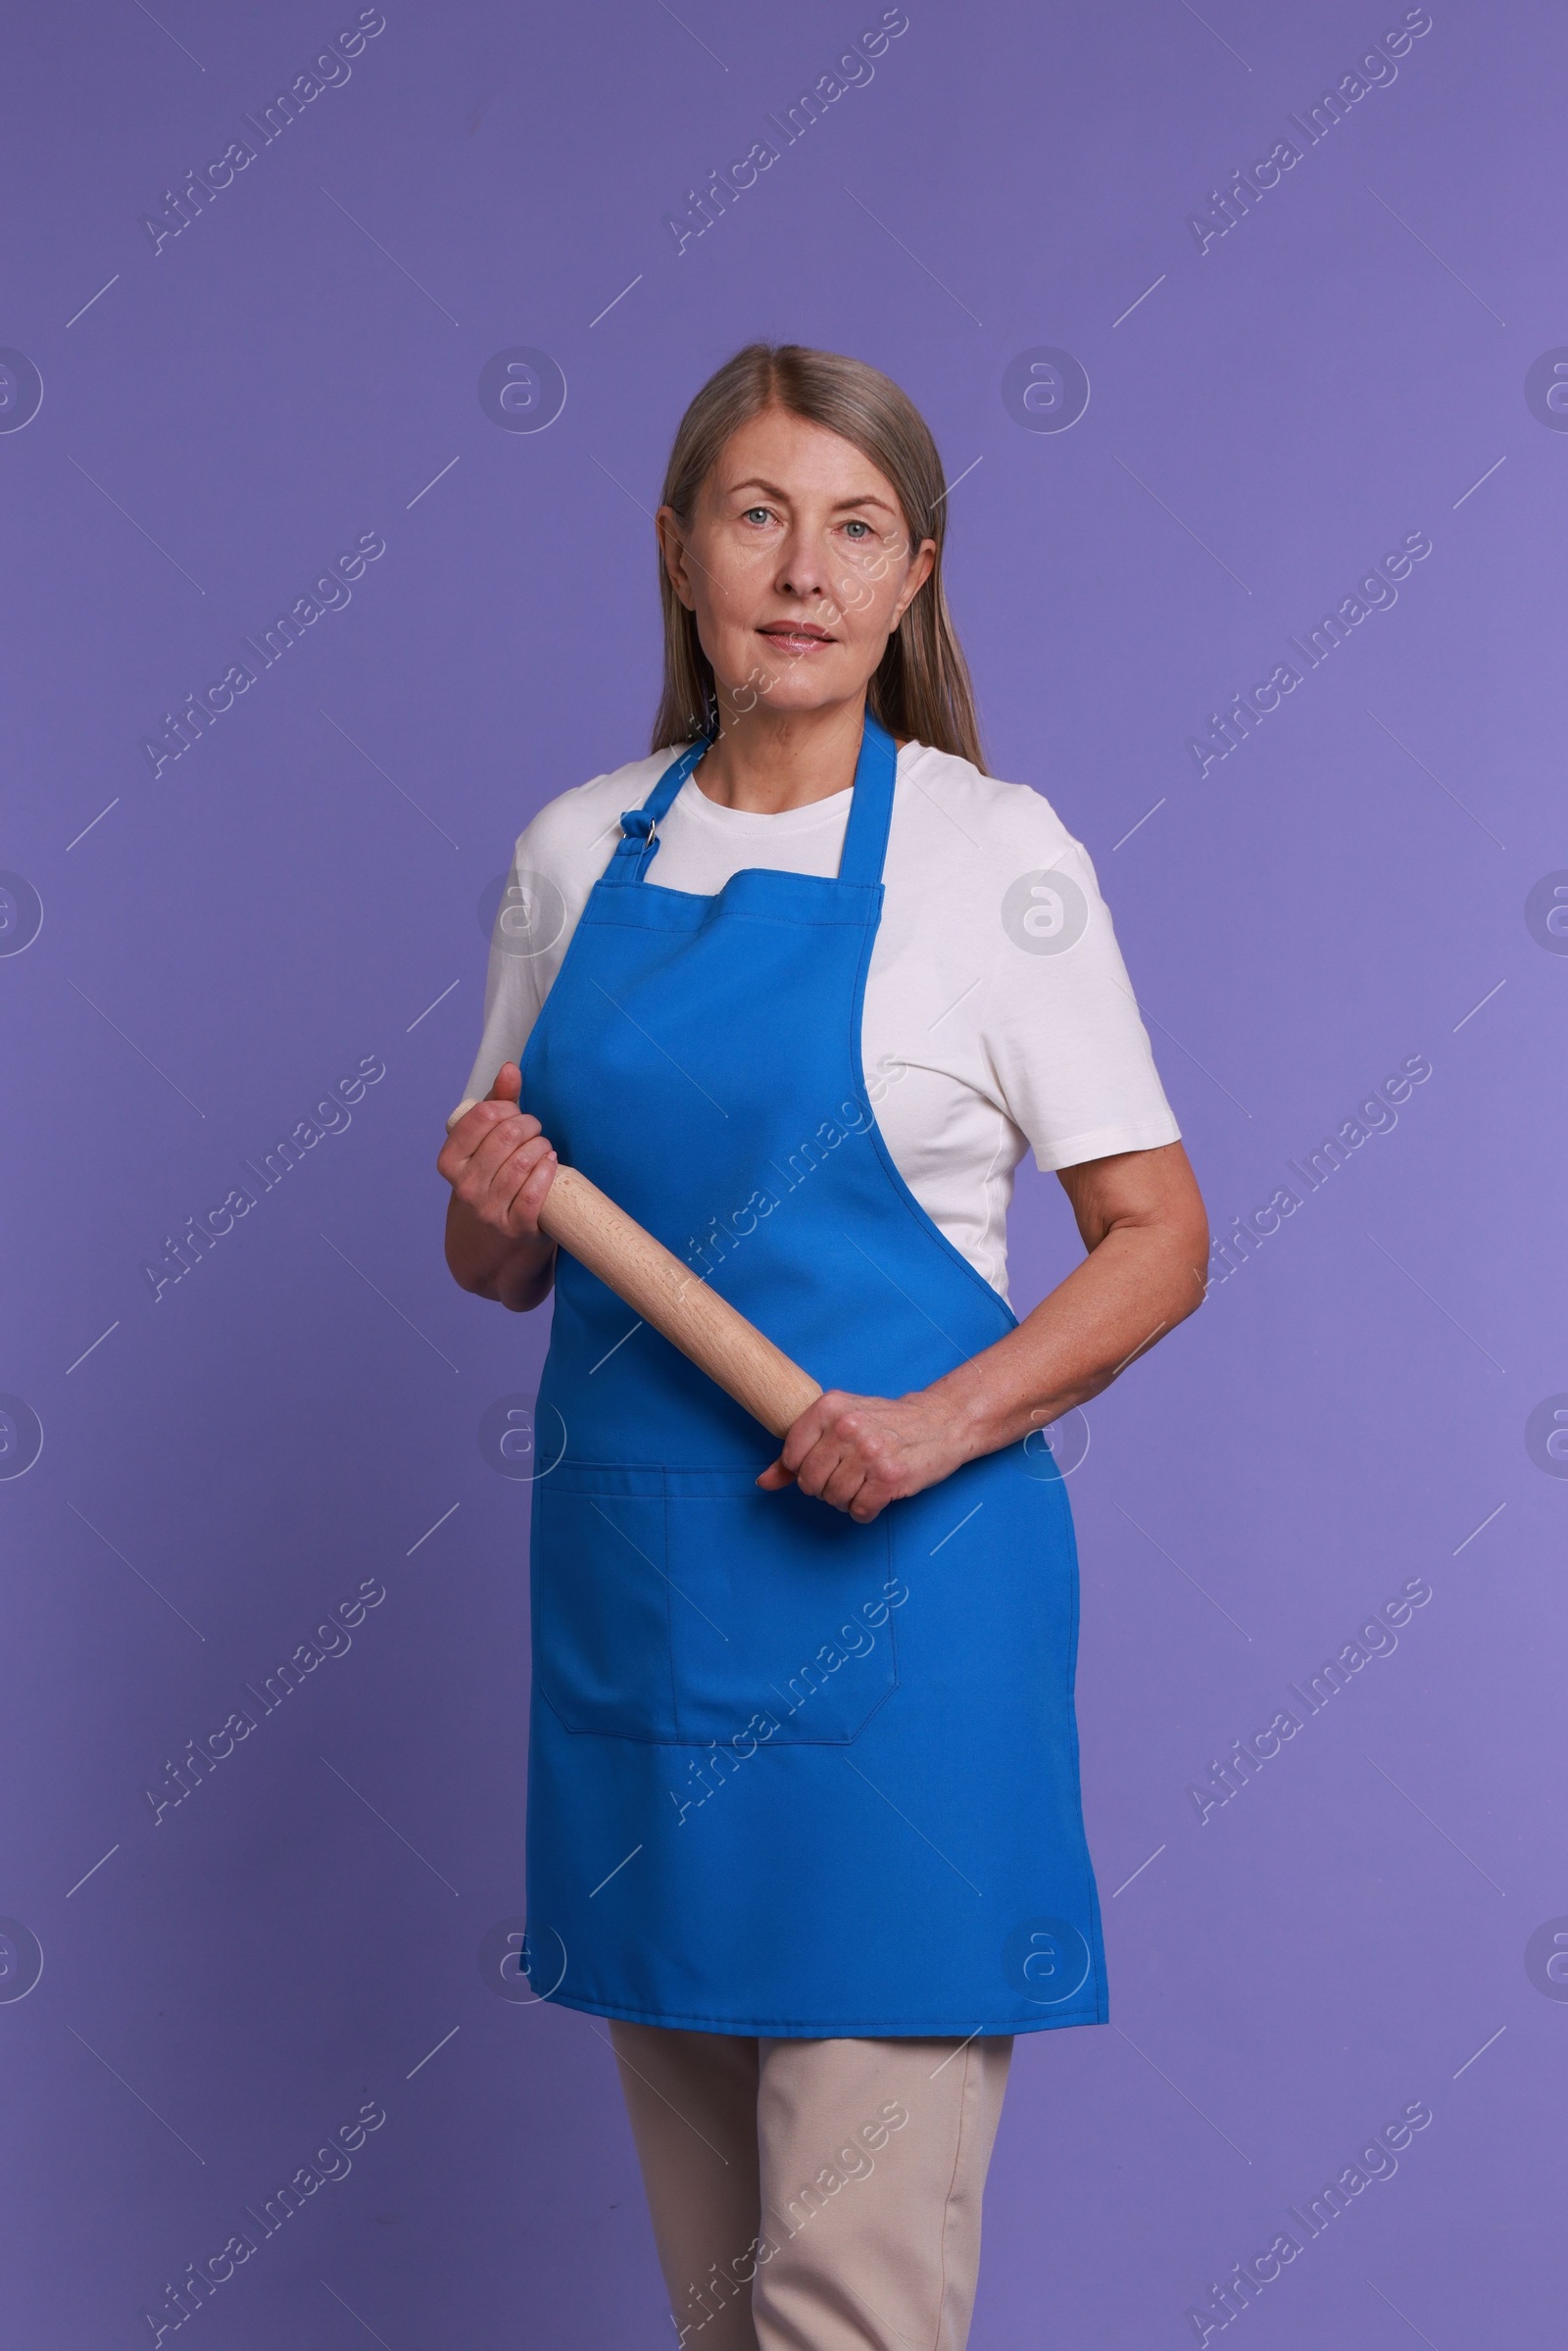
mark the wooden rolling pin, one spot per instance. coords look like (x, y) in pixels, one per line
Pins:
(677, 1302)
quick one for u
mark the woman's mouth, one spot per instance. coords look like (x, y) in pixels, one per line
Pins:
(792, 637)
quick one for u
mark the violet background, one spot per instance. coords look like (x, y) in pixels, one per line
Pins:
(224, 1987)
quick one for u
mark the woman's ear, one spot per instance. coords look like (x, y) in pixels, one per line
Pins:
(920, 573)
(672, 547)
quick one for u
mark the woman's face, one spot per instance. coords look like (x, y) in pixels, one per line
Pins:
(798, 565)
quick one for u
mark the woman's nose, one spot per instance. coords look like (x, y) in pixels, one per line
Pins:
(803, 569)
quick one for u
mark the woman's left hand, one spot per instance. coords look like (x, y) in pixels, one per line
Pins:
(861, 1452)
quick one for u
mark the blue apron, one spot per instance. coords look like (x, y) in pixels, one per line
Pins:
(788, 1773)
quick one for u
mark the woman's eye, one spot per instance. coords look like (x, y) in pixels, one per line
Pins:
(861, 527)
(754, 509)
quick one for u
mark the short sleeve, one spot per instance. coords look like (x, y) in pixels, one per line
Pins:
(558, 859)
(516, 985)
(1061, 1027)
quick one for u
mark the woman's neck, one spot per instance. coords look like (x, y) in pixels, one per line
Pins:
(766, 762)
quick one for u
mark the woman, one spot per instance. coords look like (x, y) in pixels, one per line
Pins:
(803, 1814)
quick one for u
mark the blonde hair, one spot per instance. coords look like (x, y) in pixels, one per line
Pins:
(921, 688)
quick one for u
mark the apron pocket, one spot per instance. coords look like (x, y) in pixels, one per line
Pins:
(602, 1601)
(780, 1608)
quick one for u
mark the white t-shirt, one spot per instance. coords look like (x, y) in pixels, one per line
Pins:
(999, 1015)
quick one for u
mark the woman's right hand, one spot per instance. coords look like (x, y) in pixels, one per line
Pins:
(500, 1165)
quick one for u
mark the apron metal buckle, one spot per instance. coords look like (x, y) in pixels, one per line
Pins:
(639, 843)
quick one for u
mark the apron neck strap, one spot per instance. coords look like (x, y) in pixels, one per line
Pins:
(639, 842)
(865, 836)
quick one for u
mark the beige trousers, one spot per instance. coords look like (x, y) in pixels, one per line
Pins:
(815, 2196)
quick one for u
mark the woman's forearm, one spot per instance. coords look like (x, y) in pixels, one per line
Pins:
(1143, 1223)
(517, 1273)
(1134, 1287)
